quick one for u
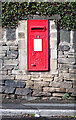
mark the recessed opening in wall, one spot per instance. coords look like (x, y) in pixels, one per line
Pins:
(65, 36)
(10, 34)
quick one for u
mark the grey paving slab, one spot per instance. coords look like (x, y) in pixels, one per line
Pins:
(43, 109)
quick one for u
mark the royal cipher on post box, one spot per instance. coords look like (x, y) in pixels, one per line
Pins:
(37, 45)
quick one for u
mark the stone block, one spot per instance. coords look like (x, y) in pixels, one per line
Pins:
(12, 96)
(2, 82)
(29, 83)
(2, 55)
(3, 96)
(22, 59)
(64, 48)
(23, 91)
(58, 79)
(58, 94)
(35, 73)
(72, 60)
(16, 67)
(66, 76)
(10, 34)
(34, 76)
(45, 75)
(11, 43)
(10, 83)
(48, 79)
(22, 77)
(46, 89)
(66, 85)
(2, 89)
(53, 44)
(3, 52)
(12, 54)
(61, 84)
(60, 54)
(62, 90)
(70, 90)
(55, 98)
(65, 70)
(72, 76)
(73, 94)
(52, 89)
(53, 53)
(7, 77)
(52, 22)
(20, 84)
(1, 64)
(16, 72)
(63, 66)
(37, 93)
(21, 35)
(47, 94)
(53, 35)
(37, 79)
(9, 67)
(53, 64)
(41, 83)
(72, 71)
(9, 72)
(11, 62)
(73, 66)
(3, 72)
(21, 44)
(4, 48)
(54, 72)
(53, 26)
(15, 48)
(21, 26)
(29, 98)
(71, 56)
(37, 87)
(63, 60)
(74, 84)
(9, 89)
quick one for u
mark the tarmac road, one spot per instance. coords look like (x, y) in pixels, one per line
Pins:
(41, 118)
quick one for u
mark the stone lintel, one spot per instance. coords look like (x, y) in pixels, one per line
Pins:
(56, 17)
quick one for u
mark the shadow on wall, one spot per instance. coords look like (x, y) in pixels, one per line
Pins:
(74, 45)
(49, 44)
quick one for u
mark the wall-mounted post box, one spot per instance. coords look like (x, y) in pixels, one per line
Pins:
(37, 45)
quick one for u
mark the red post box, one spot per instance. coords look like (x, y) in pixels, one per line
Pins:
(37, 45)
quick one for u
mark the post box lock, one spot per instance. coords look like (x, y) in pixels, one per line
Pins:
(37, 45)
(37, 36)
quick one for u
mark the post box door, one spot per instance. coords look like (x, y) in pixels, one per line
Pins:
(37, 50)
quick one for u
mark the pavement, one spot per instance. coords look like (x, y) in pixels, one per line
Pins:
(41, 109)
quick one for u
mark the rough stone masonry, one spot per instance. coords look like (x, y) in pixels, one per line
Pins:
(16, 82)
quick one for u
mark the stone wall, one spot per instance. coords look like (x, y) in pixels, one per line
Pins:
(17, 82)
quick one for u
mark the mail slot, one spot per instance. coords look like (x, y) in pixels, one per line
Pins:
(37, 45)
(37, 29)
